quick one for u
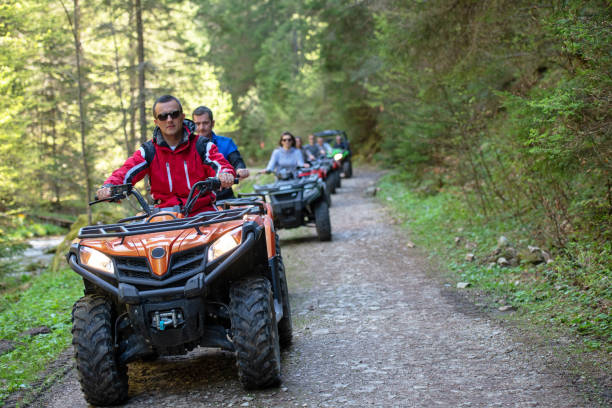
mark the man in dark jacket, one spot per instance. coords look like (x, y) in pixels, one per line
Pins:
(312, 148)
(203, 119)
(340, 144)
(174, 159)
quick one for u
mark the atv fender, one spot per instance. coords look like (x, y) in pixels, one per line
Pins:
(270, 238)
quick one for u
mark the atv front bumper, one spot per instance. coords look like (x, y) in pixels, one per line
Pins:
(194, 287)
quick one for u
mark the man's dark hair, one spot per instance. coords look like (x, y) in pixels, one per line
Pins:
(201, 110)
(164, 99)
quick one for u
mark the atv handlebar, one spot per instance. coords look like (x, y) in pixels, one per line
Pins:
(210, 184)
(122, 191)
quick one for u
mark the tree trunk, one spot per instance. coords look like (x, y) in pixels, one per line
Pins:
(141, 73)
(82, 111)
(132, 77)
(56, 165)
(141, 86)
(119, 88)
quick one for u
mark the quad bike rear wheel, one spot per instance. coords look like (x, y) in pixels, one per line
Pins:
(321, 214)
(103, 380)
(255, 333)
(285, 325)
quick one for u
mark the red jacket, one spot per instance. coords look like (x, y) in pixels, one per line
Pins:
(173, 172)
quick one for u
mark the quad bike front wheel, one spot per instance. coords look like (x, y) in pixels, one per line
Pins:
(255, 333)
(103, 380)
(328, 197)
(321, 214)
(347, 169)
(285, 325)
(331, 183)
(338, 179)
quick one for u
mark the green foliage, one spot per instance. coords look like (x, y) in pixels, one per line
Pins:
(509, 101)
(46, 303)
(246, 186)
(39, 129)
(103, 214)
(276, 60)
(15, 273)
(574, 291)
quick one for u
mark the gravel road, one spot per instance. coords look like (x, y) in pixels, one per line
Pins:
(372, 328)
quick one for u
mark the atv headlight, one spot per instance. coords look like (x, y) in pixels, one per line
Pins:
(96, 260)
(309, 193)
(227, 242)
(338, 156)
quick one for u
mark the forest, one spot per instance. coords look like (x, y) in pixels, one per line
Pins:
(509, 101)
(503, 107)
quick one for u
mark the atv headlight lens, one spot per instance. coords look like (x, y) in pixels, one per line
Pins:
(96, 260)
(338, 156)
(226, 243)
(309, 193)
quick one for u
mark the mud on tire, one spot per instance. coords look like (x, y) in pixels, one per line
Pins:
(255, 333)
(322, 222)
(103, 380)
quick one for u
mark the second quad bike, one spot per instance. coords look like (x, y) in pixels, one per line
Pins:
(298, 201)
(162, 283)
(332, 172)
(328, 170)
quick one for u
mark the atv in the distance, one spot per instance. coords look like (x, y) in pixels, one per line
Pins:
(162, 283)
(340, 153)
(323, 172)
(298, 201)
(331, 170)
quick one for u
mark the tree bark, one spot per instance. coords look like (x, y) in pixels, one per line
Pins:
(128, 147)
(55, 184)
(132, 76)
(80, 91)
(82, 110)
(141, 72)
(141, 86)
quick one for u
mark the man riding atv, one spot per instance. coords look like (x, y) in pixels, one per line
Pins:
(175, 159)
(178, 276)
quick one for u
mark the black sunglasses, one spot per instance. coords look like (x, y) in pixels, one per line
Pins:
(174, 114)
(286, 140)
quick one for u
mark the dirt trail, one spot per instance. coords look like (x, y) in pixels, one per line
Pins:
(371, 329)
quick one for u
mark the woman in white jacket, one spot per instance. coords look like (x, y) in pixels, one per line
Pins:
(287, 156)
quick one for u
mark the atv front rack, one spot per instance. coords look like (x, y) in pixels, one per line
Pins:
(200, 220)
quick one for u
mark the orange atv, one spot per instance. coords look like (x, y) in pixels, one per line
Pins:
(162, 283)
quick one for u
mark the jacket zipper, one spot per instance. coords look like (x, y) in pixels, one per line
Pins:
(169, 176)
(187, 175)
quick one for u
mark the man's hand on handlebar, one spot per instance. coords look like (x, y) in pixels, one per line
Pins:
(226, 179)
(103, 193)
(242, 173)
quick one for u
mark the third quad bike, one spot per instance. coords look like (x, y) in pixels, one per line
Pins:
(341, 154)
(299, 201)
(161, 283)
